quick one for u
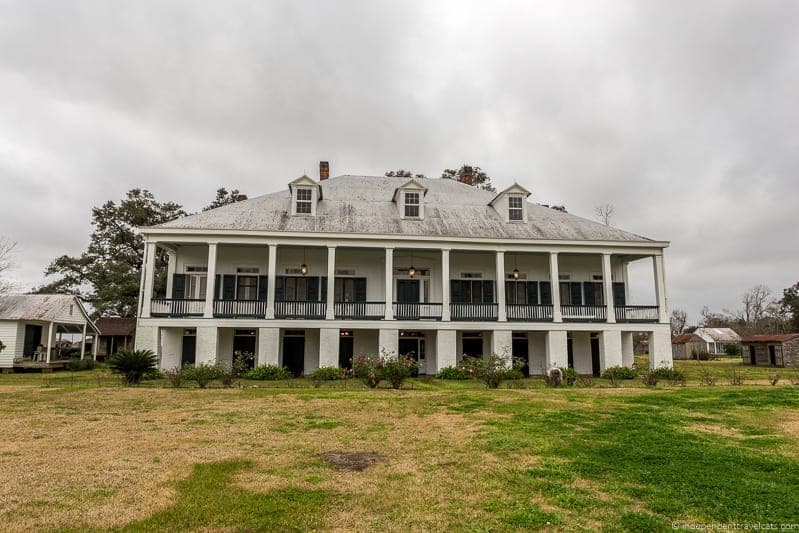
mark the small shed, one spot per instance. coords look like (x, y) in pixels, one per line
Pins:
(32, 327)
(688, 346)
(116, 333)
(717, 339)
(771, 350)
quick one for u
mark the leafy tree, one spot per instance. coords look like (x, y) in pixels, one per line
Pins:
(107, 274)
(480, 179)
(790, 304)
(403, 174)
(225, 197)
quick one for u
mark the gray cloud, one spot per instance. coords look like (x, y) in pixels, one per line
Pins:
(682, 114)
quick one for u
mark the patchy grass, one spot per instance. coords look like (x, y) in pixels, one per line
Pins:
(436, 456)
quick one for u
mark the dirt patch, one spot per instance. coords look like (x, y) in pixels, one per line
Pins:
(355, 461)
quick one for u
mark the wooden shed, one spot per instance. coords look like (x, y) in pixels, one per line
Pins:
(771, 350)
(688, 346)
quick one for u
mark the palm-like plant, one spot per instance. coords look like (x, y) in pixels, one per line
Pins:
(133, 364)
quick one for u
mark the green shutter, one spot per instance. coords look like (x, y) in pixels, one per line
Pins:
(323, 297)
(455, 292)
(619, 295)
(576, 289)
(263, 282)
(280, 293)
(588, 292)
(178, 286)
(488, 292)
(532, 293)
(229, 287)
(546, 293)
(312, 294)
(360, 289)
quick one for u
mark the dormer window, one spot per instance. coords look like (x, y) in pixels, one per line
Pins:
(304, 201)
(411, 205)
(515, 208)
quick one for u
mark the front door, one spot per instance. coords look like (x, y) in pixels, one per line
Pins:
(595, 357)
(345, 351)
(772, 355)
(245, 344)
(189, 351)
(521, 348)
(33, 338)
(294, 354)
(752, 355)
(570, 352)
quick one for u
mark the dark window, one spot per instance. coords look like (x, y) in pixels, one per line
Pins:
(472, 291)
(515, 209)
(297, 289)
(304, 201)
(350, 290)
(247, 288)
(412, 204)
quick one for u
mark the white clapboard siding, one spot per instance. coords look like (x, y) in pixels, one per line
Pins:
(9, 335)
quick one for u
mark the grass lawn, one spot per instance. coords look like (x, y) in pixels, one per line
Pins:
(80, 452)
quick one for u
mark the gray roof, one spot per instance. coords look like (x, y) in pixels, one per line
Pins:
(718, 334)
(363, 205)
(43, 307)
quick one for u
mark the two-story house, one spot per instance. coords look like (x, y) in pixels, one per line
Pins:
(309, 276)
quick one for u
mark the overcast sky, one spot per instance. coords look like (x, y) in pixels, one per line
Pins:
(683, 114)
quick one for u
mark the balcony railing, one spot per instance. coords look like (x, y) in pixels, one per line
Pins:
(300, 309)
(637, 313)
(360, 310)
(584, 313)
(476, 312)
(417, 311)
(167, 307)
(529, 313)
(239, 309)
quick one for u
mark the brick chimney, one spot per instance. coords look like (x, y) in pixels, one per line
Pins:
(466, 175)
(324, 170)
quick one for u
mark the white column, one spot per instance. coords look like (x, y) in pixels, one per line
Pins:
(502, 312)
(210, 287)
(445, 349)
(557, 353)
(95, 342)
(170, 271)
(49, 341)
(83, 341)
(389, 284)
(627, 349)
(388, 341)
(660, 288)
(609, 350)
(268, 346)
(207, 345)
(607, 282)
(330, 313)
(445, 295)
(554, 281)
(271, 282)
(329, 342)
(660, 347)
(149, 273)
(502, 344)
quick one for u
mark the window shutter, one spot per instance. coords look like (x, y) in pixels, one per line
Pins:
(588, 292)
(576, 289)
(313, 290)
(455, 293)
(323, 297)
(510, 293)
(178, 286)
(217, 285)
(263, 282)
(532, 293)
(280, 283)
(546, 293)
(228, 287)
(488, 292)
(619, 295)
(360, 289)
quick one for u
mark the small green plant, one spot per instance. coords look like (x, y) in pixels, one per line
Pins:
(496, 369)
(735, 377)
(570, 376)
(706, 378)
(397, 369)
(369, 368)
(203, 373)
(732, 348)
(619, 372)
(133, 364)
(77, 365)
(174, 377)
(672, 375)
(242, 363)
(585, 381)
(269, 373)
(454, 373)
(329, 373)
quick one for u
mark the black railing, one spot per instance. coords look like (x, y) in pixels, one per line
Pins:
(476, 312)
(584, 313)
(239, 309)
(300, 309)
(417, 311)
(360, 310)
(637, 313)
(167, 307)
(529, 313)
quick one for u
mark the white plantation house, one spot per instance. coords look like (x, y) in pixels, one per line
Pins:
(308, 276)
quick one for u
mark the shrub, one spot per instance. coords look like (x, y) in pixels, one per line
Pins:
(269, 373)
(495, 369)
(133, 364)
(398, 369)
(672, 375)
(454, 373)
(203, 374)
(649, 378)
(774, 378)
(76, 365)
(570, 376)
(706, 378)
(619, 372)
(175, 377)
(735, 377)
(368, 368)
(585, 381)
(329, 373)
(242, 362)
(732, 348)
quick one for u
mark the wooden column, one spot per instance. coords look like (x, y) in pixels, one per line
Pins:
(389, 284)
(554, 280)
(271, 282)
(607, 282)
(210, 286)
(49, 341)
(445, 280)
(331, 285)
(502, 315)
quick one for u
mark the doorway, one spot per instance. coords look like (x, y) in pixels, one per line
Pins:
(294, 351)
(752, 355)
(772, 355)
(520, 347)
(188, 355)
(570, 351)
(346, 349)
(595, 356)
(244, 342)
(473, 345)
(33, 338)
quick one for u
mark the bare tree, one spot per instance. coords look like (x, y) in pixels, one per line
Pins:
(755, 303)
(604, 213)
(6, 262)
(679, 320)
